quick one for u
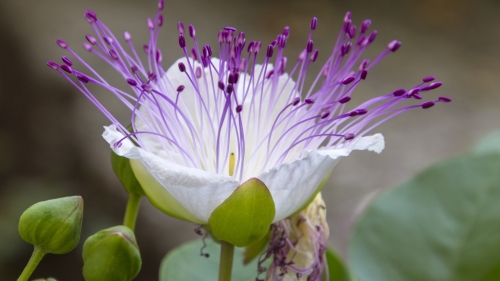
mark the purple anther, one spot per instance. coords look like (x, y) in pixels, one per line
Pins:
(270, 51)
(113, 55)
(302, 55)
(82, 78)
(221, 85)
(241, 39)
(274, 43)
(230, 78)
(353, 113)
(250, 46)
(151, 24)
(147, 88)
(286, 31)
(257, 46)
(344, 99)
(413, 92)
(180, 27)
(229, 28)
(348, 80)
(362, 111)
(270, 73)
(435, 85)
(181, 66)
(399, 92)
(352, 31)
(180, 88)
(209, 49)
(134, 69)
(152, 76)
(53, 65)
(417, 97)
(182, 41)
(428, 104)
(362, 40)
(91, 39)
(220, 37)
(132, 82)
(192, 32)
(239, 108)
(229, 88)
(62, 43)
(344, 50)
(159, 21)
(243, 65)
(314, 23)
(325, 114)
(347, 16)
(194, 55)
(161, 4)
(348, 136)
(366, 24)
(429, 79)
(90, 16)
(282, 40)
(159, 57)
(127, 36)
(66, 60)
(394, 45)
(347, 26)
(146, 49)
(295, 101)
(364, 73)
(198, 72)
(309, 101)
(310, 46)
(363, 64)
(66, 68)
(314, 55)
(108, 40)
(118, 144)
(204, 62)
(372, 37)
(444, 99)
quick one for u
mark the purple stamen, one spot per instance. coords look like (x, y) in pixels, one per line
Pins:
(180, 88)
(192, 32)
(180, 27)
(90, 16)
(428, 104)
(314, 23)
(66, 68)
(67, 61)
(182, 67)
(182, 41)
(132, 82)
(53, 65)
(62, 43)
(444, 99)
(429, 79)
(91, 39)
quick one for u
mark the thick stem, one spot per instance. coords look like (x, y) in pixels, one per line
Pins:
(226, 261)
(35, 259)
(133, 203)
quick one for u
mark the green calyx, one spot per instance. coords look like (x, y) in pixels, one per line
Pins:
(54, 225)
(122, 169)
(245, 216)
(111, 254)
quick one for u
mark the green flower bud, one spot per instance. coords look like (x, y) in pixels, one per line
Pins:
(111, 254)
(53, 225)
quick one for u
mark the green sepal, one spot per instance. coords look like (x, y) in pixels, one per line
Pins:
(111, 254)
(122, 169)
(256, 248)
(245, 216)
(53, 225)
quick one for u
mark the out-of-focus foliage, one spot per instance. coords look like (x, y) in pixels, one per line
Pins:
(444, 224)
(490, 143)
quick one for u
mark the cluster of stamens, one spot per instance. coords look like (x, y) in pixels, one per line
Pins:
(262, 114)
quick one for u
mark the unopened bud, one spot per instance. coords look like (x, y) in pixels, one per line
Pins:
(53, 225)
(111, 254)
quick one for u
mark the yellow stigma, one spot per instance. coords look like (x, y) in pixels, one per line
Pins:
(232, 160)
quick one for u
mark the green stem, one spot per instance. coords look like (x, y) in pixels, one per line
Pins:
(133, 203)
(35, 259)
(226, 261)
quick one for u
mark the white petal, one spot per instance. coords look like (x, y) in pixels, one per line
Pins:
(126, 149)
(292, 184)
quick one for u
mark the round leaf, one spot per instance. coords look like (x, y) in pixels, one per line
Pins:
(186, 263)
(245, 216)
(490, 143)
(442, 225)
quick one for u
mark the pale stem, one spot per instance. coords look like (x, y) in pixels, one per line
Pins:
(226, 261)
(35, 259)
(133, 203)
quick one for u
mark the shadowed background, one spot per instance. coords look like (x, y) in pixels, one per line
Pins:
(50, 135)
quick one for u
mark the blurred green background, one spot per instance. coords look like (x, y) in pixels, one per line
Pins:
(50, 135)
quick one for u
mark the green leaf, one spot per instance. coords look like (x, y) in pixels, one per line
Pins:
(186, 263)
(337, 270)
(490, 143)
(122, 169)
(245, 216)
(442, 225)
